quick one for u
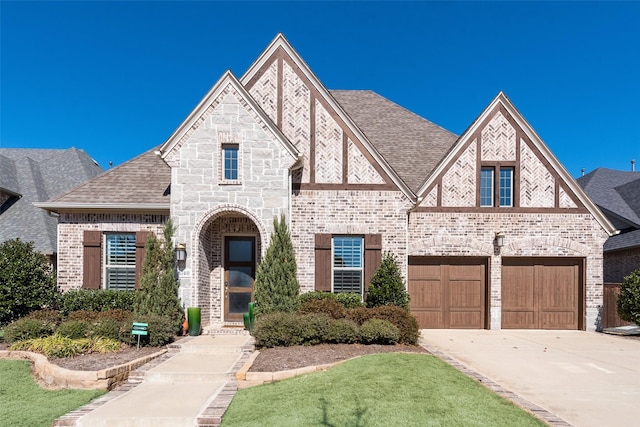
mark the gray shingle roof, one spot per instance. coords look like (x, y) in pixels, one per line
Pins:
(142, 180)
(617, 193)
(411, 145)
(37, 175)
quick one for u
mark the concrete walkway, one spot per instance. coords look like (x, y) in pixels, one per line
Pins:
(585, 378)
(190, 388)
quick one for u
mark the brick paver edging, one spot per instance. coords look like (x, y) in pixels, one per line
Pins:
(537, 411)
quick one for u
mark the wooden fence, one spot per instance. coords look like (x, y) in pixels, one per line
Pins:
(610, 318)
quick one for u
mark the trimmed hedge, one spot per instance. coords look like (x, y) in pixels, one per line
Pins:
(327, 306)
(403, 320)
(26, 328)
(95, 300)
(345, 299)
(379, 331)
(161, 331)
(73, 329)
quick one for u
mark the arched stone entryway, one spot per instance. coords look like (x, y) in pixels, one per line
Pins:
(229, 245)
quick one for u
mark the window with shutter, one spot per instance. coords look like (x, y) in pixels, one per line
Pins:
(120, 261)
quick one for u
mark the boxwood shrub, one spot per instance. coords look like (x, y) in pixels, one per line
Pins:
(27, 328)
(379, 331)
(407, 324)
(73, 329)
(95, 300)
(328, 306)
(343, 331)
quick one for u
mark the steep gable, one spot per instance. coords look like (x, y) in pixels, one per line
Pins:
(501, 141)
(336, 154)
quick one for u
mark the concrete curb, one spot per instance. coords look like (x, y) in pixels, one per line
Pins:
(55, 377)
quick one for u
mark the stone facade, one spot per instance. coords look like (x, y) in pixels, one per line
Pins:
(618, 264)
(71, 228)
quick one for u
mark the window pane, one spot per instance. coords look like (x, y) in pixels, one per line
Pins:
(486, 187)
(238, 302)
(120, 261)
(240, 277)
(506, 187)
(240, 250)
(230, 162)
(347, 264)
(347, 281)
(121, 279)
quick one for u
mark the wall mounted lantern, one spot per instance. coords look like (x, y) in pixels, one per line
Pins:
(181, 252)
(500, 239)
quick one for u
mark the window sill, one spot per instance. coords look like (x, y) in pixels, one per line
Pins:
(230, 182)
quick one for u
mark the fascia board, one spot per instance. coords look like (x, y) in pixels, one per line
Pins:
(57, 207)
(281, 41)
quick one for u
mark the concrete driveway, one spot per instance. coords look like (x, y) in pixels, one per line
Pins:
(586, 378)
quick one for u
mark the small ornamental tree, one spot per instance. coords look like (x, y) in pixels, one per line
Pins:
(158, 292)
(277, 286)
(629, 298)
(27, 283)
(386, 286)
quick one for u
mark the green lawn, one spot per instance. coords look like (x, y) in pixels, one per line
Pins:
(377, 390)
(24, 404)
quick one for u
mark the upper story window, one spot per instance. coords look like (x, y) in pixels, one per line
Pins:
(504, 187)
(120, 261)
(230, 165)
(347, 264)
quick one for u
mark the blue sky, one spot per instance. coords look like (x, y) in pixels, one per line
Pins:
(116, 78)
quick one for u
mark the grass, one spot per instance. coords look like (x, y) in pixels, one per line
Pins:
(24, 404)
(377, 390)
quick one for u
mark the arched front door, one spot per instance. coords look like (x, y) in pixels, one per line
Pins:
(239, 275)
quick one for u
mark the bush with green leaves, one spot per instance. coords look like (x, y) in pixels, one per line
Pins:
(160, 328)
(349, 299)
(315, 295)
(53, 317)
(95, 300)
(278, 329)
(83, 315)
(276, 285)
(405, 322)
(73, 329)
(342, 331)
(106, 328)
(328, 306)
(387, 287)
(27, 282)
(379, 331)
(59, 346)
(629, 298)
(26, 328)
(158, 294)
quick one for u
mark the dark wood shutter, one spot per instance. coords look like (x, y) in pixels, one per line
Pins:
(323, 262)
(141, 240)
(372, 257)
(91, 259)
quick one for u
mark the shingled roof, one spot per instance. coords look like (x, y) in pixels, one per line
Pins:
(411, 145)
(140, 183)
(617, 194)
(29, 176)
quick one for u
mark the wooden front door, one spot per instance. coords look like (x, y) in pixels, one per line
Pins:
(239, 275)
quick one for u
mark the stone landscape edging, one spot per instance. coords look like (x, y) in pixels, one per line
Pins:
(54, 376)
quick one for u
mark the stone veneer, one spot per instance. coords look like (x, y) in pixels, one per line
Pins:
(527, 235)
(619, 264)
(71, 228)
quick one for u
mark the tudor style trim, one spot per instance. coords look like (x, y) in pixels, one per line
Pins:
(280, 42)
(192, 119)
(501, 101)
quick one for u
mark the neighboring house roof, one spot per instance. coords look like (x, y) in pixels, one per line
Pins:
(35, 175)
(617, 193)
(411, 145)
(142, 183)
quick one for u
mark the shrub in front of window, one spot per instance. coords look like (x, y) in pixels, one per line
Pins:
(158, 292)
(343, 331)
(387, 287)
(314, 328)
(327, 306)
(315, 295)
(379, 331)
(349, 299)
(95, 300)
(278, 329)
(73, 329)
(629, 298)
(27, 283)
(405, 322)
(26, 328)
(276, 285)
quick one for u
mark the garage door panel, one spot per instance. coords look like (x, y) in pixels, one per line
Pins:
(425, 293)
(465, 319)
(519, 295)
(558, 287)
(558, 320)
(433, 318)
(518, 319)
(465, 294)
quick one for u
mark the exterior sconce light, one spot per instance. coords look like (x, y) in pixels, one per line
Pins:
(181, 252)
(500, 239)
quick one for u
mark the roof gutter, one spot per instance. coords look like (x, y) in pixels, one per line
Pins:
(144, 207)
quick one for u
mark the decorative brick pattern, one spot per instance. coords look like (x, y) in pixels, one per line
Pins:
(71, 229)
(296, 119)
(328, 147)
(431, 199)
(564, 200)
(498, 141)
(459, 182)
(527, 235)
(537, 186)
(361, 171)
(265, 91)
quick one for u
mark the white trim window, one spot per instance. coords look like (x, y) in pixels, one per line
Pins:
(506, 187)
(120, 261)
(230, 163)
(348, 262)
(486, 187)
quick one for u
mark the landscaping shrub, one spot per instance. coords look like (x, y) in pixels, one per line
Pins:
(358, 315)
(327, 306)
(59, 346)
(106, 328)
(314, 328)
(73, 329)
(629, 298)
(315, 295)
(117, 314)
(95, 300)
(342, 331)
(349, 299)
(26, 328)
(50, 316)
(387, 287)
(86, 315)
(161, 331)
(407, 324)
(27, 283)
(278, 329)
(379, 331)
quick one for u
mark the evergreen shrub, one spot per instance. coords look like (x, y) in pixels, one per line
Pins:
(161, 331)
(52, 317)
(87, 315)
(328, 306)
(278, 329)
(73, 329)
(106, 328)
(26, 328)
(405, 322)
(342, 331)
(349, 299)
(387, 287)
(95, 300)
(379, 331)
(629, 298)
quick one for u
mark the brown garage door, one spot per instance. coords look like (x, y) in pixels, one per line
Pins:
(541, 293)
(448, 292)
